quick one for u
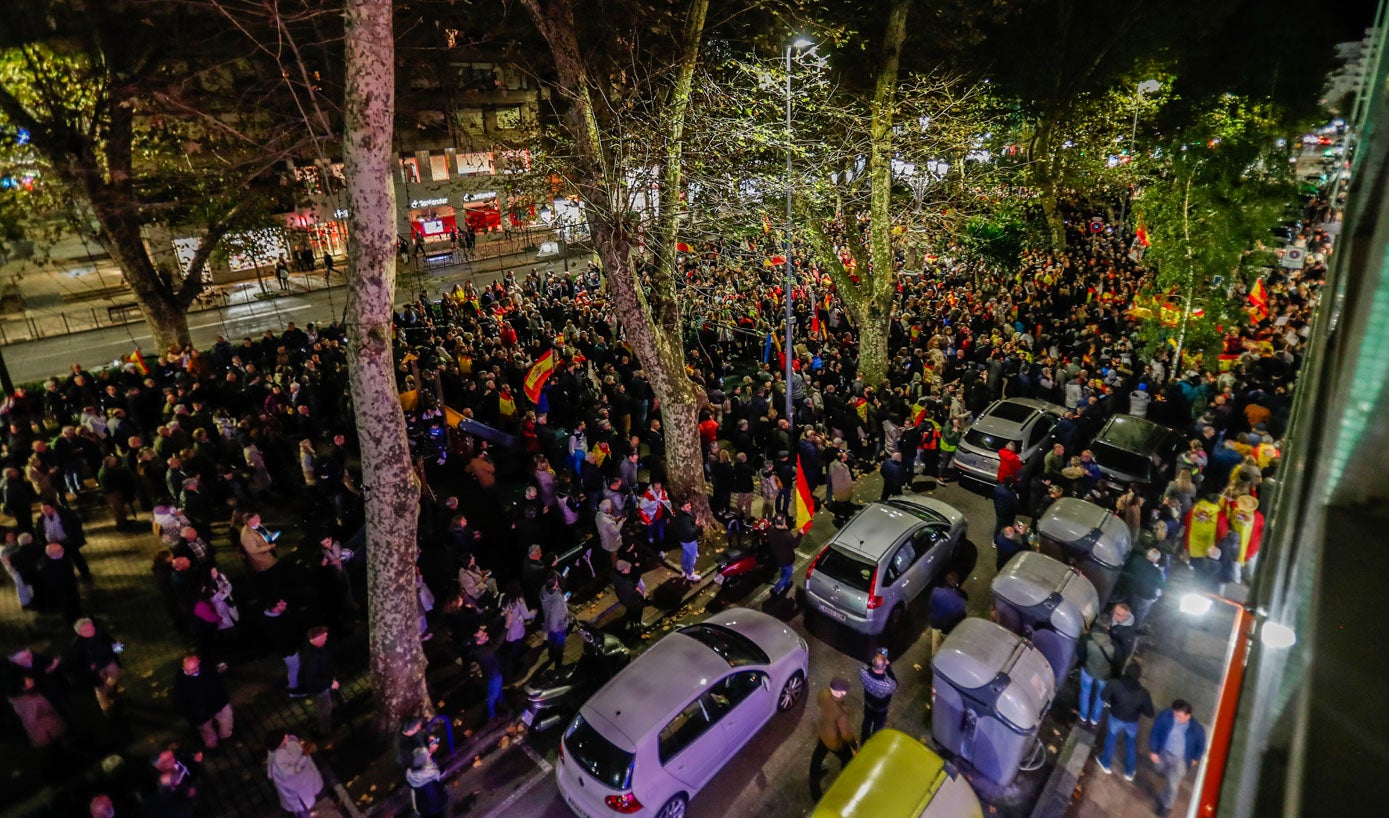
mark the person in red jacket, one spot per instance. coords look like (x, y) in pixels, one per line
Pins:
(1009, 464)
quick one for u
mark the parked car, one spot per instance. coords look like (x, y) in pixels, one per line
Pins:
(1131, 449)
(867, 575)
(651, 738)
(895, 776)
(1025, 421)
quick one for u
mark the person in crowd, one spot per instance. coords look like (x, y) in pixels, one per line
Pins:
(879, 683)
(296, 777)
(948, 608)
(203, 699)
(317, 677)
(1127, 701)
(835, 733)
(1176, 743)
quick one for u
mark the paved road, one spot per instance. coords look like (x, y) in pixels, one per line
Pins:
(32, 361)
(769, 775)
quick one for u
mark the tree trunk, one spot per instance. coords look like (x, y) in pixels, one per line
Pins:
(1051, 209)
(168, 322)
(165, 311)
(872, 346)
(391, 488)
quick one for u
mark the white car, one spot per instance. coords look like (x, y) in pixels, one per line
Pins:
(652, 737)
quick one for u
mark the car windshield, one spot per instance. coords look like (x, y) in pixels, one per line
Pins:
(1115, 459)
(597, 756)
(984, 440)
(843, 568)
(733, 647)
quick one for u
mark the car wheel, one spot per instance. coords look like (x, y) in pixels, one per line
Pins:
(674, 808)
(790, 692)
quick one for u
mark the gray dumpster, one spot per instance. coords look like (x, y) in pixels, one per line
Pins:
(1086, 536)
(990, 689)
(1048, 602)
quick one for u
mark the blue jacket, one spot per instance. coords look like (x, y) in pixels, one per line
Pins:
(1162, 728)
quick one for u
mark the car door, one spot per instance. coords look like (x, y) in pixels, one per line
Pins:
(898, 572)
(934, 543)
(742, 702)
(1039, 435)
(691, 746)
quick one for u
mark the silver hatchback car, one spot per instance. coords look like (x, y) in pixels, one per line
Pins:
(1025, 421)
(888, 555)
(655, 734)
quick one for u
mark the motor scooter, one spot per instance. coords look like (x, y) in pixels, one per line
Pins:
(748, 557)
(556, 693)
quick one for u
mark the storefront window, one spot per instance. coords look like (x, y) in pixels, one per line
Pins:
(410, 170)
(475, 164)
(433, 224)
(439, 167)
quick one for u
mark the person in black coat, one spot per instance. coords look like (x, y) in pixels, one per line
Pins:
(202, 699)
(1006, 505)
(317, 677)
(1011, 540)
(631, 593)
(57, 584)
(895, 476)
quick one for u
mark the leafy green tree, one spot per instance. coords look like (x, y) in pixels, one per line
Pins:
(143, 113)
(1222, 184)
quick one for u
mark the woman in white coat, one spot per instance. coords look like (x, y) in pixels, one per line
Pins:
(295, 775)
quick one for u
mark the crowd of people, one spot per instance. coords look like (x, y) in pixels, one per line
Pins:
(212, 447)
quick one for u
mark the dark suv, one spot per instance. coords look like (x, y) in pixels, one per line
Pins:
(1134, 450)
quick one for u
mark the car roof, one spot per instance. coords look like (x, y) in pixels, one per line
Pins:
(1132, 434)
(1007, 417)
(643, 696)
(875, 529)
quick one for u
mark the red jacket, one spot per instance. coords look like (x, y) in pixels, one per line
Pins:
(1009, 465)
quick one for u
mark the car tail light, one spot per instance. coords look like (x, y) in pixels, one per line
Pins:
(810, 569)
(873, 599)
(626, 803)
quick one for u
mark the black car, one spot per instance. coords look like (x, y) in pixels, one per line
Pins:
(1136, 451)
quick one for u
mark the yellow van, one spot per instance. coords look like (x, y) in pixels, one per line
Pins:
(896, 776)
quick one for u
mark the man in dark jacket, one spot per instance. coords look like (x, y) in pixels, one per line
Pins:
(1128, 701)
(202, 699)
(632, 594)
(1006, 504)
(1146, 582)
(895, 476)
(317, 677)
(1011, 540)
(1124, 633)
(57, 583)
(484, 652)
(281, 631)
(948, 608)
(94, 658)
(782, 542)
(685, 531)
(1175, 745)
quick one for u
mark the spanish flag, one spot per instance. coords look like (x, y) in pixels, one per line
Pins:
(138, 358)
(537, 376)
(682, 247)
(805, 504)
(1142, 234)
(1258, 302)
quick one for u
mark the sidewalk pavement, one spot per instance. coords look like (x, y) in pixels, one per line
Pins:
(1184, 656)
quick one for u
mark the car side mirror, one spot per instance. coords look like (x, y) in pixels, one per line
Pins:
(766, 683)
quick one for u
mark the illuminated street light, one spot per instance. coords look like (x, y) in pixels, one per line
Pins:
(1194, 604)
(799, 44)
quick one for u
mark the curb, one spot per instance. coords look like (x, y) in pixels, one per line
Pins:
(478, 745)
(1057, 793)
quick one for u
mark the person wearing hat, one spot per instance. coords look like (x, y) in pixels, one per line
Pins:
(631, 592)
(879, 683)
(1243, 518)
(835, 733)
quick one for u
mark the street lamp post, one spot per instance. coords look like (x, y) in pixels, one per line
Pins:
(799, 45)
(1144, 87)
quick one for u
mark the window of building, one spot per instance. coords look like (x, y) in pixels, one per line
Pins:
(439, 167)
(470, 120)
(509, 118)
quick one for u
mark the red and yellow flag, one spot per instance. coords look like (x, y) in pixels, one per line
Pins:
(682, 247)
(138, 358)
(805, 504)
(1258, 302)
(537, 376)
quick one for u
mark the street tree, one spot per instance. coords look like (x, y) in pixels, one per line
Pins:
(392, 489)
(1223, 182)
(625, 114)
(138, 111)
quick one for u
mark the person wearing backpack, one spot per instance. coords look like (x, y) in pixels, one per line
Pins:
(1096, 668)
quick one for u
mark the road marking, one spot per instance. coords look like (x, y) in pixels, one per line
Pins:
(537, 758)
(529, 784)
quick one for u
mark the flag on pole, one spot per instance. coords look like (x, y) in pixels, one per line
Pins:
(138, 358)
(1258, 302)
(777, 260)
(805, 504)
(766, 224)
(538, 374)
(1142, 235)
(682, 247)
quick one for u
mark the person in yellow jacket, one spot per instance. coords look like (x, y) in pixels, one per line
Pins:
(1202, 526)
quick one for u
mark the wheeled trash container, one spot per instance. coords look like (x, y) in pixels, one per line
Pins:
(1048, 602)
(1088, 537)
